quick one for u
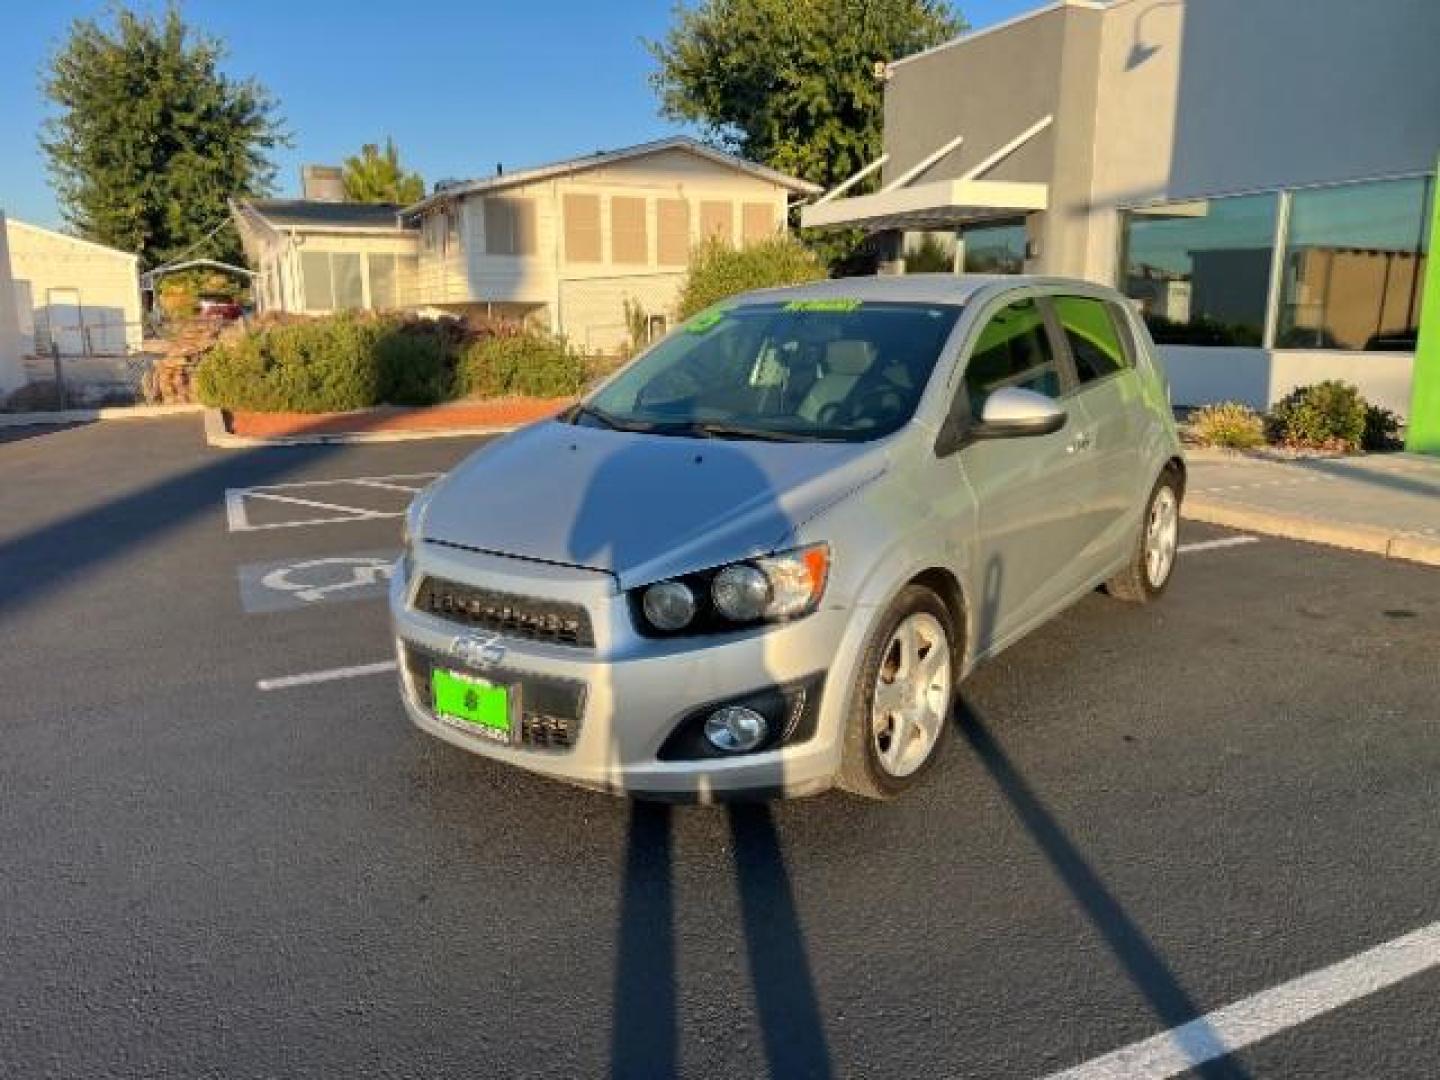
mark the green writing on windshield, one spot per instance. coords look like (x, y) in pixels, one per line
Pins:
(823, 305)
(706, 320)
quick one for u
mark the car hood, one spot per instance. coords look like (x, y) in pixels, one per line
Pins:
(640, 507)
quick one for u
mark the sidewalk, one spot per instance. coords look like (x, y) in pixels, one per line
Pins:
(1388, 504)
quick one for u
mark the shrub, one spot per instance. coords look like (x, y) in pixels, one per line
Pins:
(527, 362)
(718, 271)
(1326, 416)
(1382, 430)
(1229, 424)
(330, 364)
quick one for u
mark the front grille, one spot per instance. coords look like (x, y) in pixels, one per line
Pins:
(506, 614)
(549, 710)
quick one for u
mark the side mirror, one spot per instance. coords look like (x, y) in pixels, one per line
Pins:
(1008, 413)
(1013, 413)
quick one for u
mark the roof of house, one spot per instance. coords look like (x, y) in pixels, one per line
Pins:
(316, 214)
(610, 157)
(104, 249)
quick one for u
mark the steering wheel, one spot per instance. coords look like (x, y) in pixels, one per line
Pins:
(876, 404)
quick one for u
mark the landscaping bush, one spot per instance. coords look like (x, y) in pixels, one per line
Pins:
(718, 271)
(1326, 416)
(335, 363)
(1382, 430)
(1228, 424)
(526, 363)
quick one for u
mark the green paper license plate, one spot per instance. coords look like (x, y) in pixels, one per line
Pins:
(472, 702)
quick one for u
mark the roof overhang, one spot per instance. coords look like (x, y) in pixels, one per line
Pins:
(941, 204)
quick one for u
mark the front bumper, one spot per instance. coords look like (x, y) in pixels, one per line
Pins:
(633, 690)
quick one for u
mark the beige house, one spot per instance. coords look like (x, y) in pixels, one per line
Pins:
(316, 255)
(567, 245)
(71, 293)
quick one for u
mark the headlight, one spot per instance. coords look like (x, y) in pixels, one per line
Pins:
(771, 588)
(670, 605)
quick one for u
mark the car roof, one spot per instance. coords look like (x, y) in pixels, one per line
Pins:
(914, 288)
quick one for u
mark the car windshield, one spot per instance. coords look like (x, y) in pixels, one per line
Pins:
(803, 370)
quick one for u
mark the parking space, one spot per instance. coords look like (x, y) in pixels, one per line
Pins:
(228, 853)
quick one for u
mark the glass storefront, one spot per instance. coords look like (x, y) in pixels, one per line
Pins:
(1351, 276)
(1201, 269)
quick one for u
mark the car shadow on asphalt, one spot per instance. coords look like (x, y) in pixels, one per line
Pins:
(1136, 954)
(645, 1033)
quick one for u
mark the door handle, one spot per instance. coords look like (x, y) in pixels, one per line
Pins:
(1082, 441)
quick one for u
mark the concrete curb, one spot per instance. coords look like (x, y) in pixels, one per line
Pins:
(85, 416)
(217, 434)
(1413, 547)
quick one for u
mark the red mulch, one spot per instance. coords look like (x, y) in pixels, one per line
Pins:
(499, 412)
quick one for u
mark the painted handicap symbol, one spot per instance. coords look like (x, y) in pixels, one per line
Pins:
(314, 579)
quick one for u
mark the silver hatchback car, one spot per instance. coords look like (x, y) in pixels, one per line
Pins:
(759, 559)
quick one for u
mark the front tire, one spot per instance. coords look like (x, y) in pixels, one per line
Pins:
(901, 700)
(1152, 563)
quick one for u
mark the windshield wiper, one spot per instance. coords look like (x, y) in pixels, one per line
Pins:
(739, 431)
(605, 419)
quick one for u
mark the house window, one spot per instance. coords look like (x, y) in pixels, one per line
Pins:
(629, 239)
(382, 281)
(717, 221)
(407, 269)
(994, 247)
(1354, 266)
(509, 226)
(1201, 269)
(757, 222)
(315, 272)
(672, 227)
(582, 228)
(346, 277)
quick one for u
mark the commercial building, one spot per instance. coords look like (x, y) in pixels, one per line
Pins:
(1256, 174)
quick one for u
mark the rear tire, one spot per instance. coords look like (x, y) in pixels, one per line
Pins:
(1152, 564)
(902, 697)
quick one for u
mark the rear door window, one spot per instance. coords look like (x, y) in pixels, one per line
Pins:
(1094, 339)
(1014, 349)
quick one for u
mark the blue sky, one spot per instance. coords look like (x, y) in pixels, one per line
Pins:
(460, 85)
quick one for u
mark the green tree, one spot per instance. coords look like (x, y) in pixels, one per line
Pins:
(150, 139)
(792, 84)
(373, 176)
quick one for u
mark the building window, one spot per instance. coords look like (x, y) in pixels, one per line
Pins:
(509, 226)
(348, 281)
(717, 222)
(1201, 269)
(672, 231)
(994, 247)
(582, 229)
(315, 273)
(1354, 266)
(629, 239)
(757, 222)
(382, 281)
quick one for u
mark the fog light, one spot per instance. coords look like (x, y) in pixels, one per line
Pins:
(735, 729)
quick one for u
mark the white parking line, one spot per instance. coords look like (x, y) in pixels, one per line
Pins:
(336, 501)
(1223, 542)
(1267, 1013)
(285, 682)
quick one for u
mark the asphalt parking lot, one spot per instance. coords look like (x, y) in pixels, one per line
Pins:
(217, 863)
